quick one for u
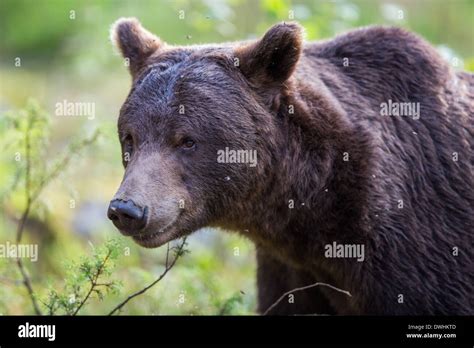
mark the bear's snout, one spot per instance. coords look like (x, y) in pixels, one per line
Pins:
(128, 217)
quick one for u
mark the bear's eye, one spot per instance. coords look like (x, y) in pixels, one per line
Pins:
(160, 67)
(188, 143)
(127, 149)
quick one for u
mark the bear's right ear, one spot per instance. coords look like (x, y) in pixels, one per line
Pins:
(134, 42)
(273, 58)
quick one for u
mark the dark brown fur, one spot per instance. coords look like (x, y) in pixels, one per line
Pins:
(408, 251)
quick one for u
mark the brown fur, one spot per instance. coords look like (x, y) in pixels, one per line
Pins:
(300, 157)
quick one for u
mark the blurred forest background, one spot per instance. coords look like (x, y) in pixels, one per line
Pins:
(65, 54)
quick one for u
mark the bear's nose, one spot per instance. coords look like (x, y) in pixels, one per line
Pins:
(128, 217)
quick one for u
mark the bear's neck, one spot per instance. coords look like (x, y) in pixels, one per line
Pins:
(319, 193)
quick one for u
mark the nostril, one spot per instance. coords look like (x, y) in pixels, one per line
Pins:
(125, 214)
(113, 217)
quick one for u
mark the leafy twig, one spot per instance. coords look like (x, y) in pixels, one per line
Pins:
(94, 282)
(179, 251)
(34, 117)
(167, 254)
(24, 217)
(85, 279)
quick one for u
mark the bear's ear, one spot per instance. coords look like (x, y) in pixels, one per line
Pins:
(134, 42)
(273, 58)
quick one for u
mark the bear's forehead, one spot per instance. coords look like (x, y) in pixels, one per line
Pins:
(169, 83)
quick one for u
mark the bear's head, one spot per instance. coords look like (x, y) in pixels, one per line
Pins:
(193, 114)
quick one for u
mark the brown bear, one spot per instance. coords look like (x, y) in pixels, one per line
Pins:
(363, 177)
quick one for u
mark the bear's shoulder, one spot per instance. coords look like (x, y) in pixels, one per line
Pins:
(378, 52)
(380, 63)
(374, 42)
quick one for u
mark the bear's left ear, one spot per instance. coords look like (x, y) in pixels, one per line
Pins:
(134, 42)
(273, 58)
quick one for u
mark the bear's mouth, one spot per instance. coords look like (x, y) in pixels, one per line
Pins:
(159, 237)
(153, 240)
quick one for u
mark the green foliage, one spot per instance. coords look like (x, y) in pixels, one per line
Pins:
(231, 304)
(469, 65)
(27, 130)
(87, 279)
(26, 133)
